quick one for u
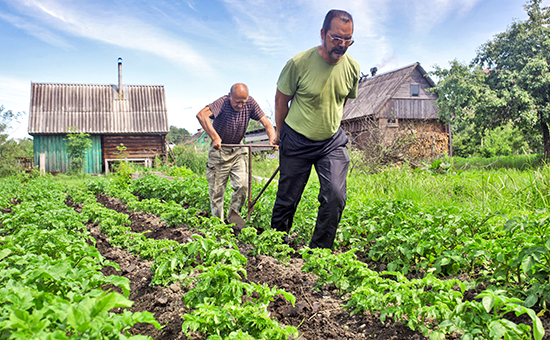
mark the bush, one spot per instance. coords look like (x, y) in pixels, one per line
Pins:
(189, 157)
(503, 141)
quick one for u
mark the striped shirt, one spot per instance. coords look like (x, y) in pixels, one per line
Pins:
(230, 124)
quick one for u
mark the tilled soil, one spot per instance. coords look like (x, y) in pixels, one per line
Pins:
(317, 315)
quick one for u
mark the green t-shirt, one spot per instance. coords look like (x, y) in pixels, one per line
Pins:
(320, 90)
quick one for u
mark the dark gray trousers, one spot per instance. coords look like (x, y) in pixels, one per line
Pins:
(296, 156)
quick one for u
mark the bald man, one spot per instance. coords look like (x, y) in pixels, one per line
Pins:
(225, 121)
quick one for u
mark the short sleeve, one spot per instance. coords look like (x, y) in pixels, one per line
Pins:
(288, 79)
(353, 91)
(216, 107)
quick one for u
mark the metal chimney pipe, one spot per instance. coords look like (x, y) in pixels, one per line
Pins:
(120, 76)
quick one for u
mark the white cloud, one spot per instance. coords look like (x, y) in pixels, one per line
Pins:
(14, 92)
(262, 22)
(428, 14)
(15, 96)
(117, 29)
(41, 33)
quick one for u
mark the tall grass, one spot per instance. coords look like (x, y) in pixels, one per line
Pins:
(502, 190)
(521, 162)
(513, 184)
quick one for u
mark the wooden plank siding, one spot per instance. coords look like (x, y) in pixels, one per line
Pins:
(423, 108)
(57, 159)
(143, 146)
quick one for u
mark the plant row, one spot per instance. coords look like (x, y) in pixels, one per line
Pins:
(223, 305)
(510, 252)
(51, 286)
(433, 306)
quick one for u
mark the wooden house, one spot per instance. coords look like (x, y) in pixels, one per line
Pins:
(124, 122)
(395, 103)
(199, 140)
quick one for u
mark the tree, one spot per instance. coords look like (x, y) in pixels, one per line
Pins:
(6, 118)
(508, 80)
(9, 148)
(177, 135)
(77, 145)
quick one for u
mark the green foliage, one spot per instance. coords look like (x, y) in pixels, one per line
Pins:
(480, 320)
(270, 243)
(491, 231)
(9, 148)
(123, 174)
(50, 282)
(518, 162)
(503, 141)
(181, 171)
(507, 81)
(77, 145)
(191, 158)
(177, 135)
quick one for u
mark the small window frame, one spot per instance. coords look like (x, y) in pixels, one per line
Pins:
(415, 90)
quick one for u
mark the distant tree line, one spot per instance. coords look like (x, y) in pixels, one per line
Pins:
(177, 135)
(11, 149)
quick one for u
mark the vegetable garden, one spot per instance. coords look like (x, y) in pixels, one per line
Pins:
(131, 259)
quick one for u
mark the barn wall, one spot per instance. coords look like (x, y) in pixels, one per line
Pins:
(415, 78)
(57, 160)
(137, 146)
(418, 138)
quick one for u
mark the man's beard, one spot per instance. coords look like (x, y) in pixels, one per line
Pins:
(337, 52)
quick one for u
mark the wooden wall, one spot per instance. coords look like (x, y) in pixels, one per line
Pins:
(137, 146)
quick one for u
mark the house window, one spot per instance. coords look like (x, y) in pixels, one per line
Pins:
(414, 90)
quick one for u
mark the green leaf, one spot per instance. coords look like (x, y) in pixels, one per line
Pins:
(488, 302)
(538, 329)
(527, 263)
(496, 330)
(77, 320)
(146, 317)
(121, 282)
(4, 253)
(436, 335)
(105, 303)
(531, 300)
(445, 261)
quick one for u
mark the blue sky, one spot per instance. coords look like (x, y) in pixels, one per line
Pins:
(198, 48)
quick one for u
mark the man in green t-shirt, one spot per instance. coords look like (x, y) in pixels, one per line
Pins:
(316, 83)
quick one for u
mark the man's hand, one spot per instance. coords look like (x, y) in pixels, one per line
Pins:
(217, 143)
(204, 118)
(275, 143)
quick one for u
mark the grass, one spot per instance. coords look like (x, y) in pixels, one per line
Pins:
(520, 162)
(502, 190)
(510, 185)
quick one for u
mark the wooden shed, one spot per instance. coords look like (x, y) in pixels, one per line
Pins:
(134, 116)
(393, 102)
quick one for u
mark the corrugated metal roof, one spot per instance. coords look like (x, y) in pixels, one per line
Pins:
(97, 109)
(374, 92)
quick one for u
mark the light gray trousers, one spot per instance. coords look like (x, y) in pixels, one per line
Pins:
(222, 165)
